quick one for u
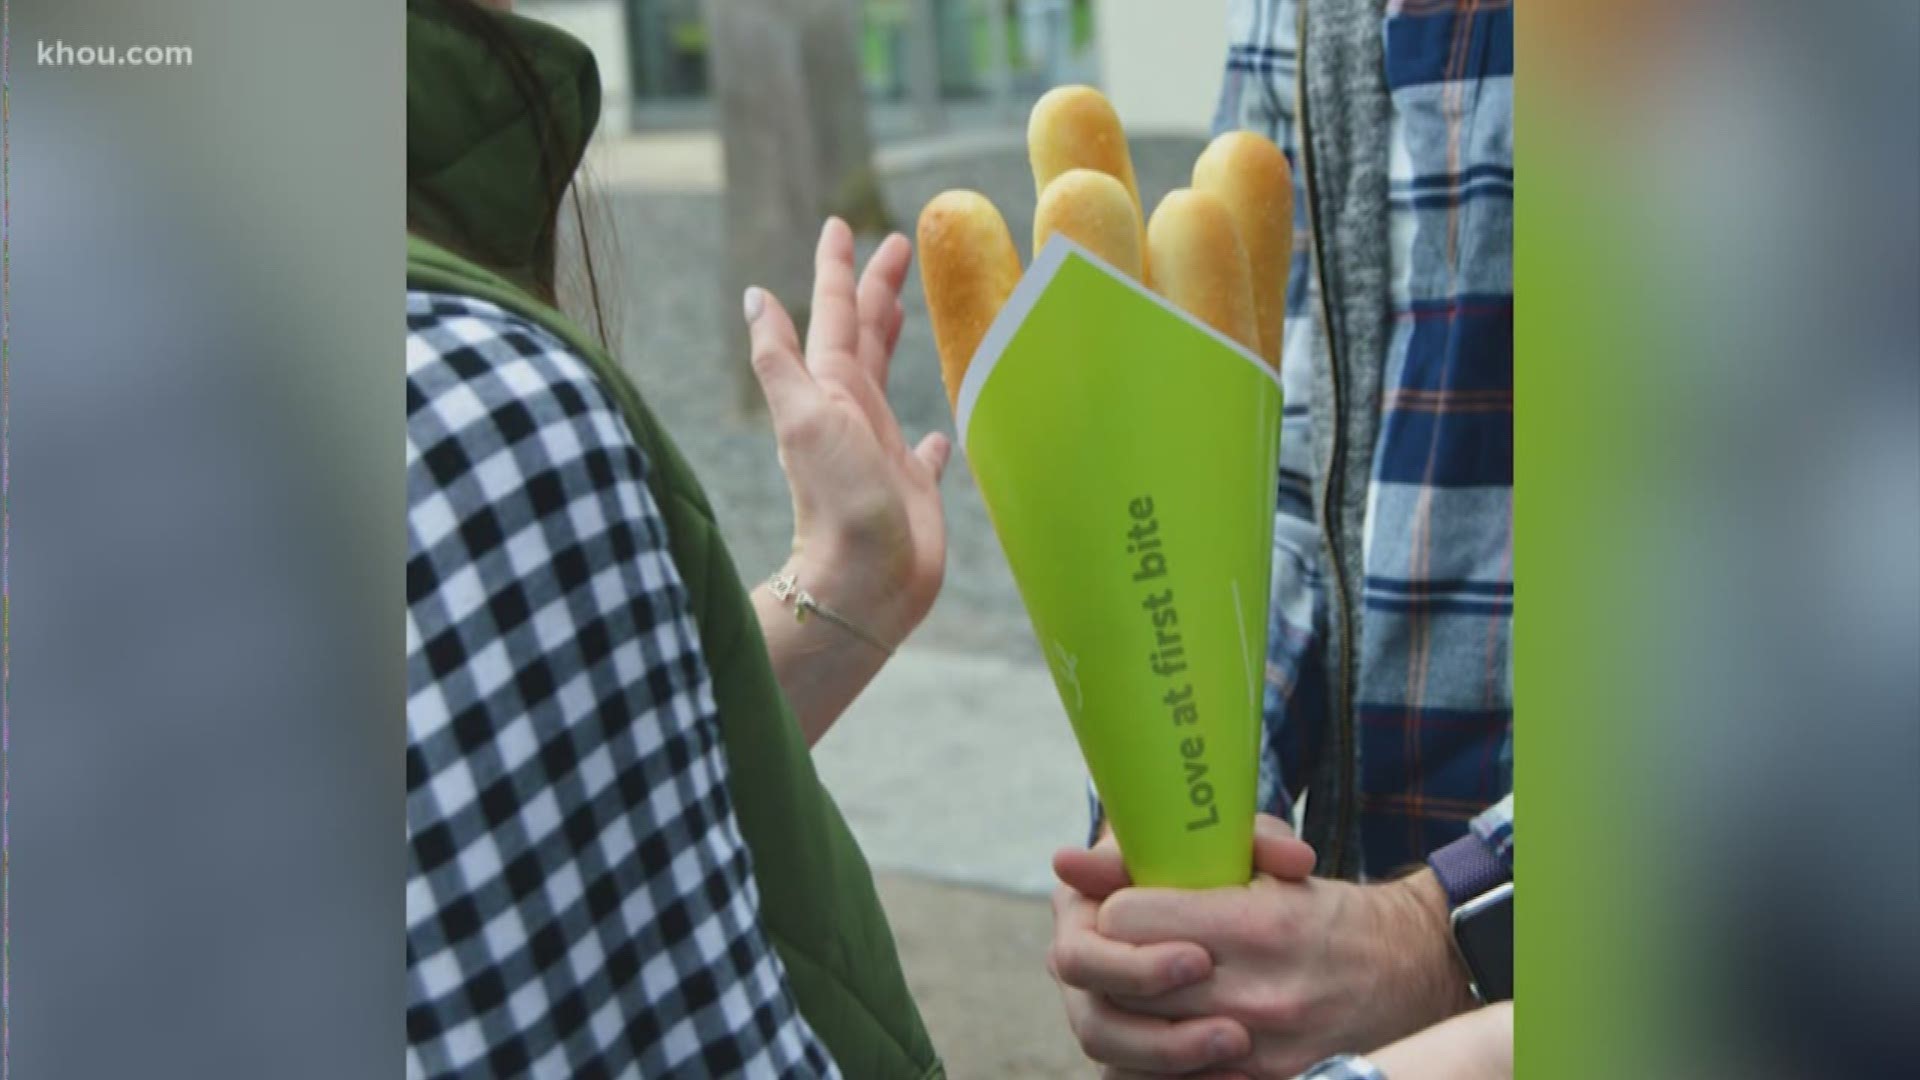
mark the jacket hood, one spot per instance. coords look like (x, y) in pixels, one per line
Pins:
(477, 178)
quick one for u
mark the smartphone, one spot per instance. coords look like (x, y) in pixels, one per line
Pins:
(1483, 934)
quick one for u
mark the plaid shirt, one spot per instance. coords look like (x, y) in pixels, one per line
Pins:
(1432, 697)
(580, 901)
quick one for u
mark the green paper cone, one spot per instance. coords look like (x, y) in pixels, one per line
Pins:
(1127, 456)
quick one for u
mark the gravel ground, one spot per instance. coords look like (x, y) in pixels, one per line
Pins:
(666, 300)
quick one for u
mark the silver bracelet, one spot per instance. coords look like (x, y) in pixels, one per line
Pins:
(786, 587)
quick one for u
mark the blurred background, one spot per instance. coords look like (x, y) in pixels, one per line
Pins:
(729, 131)
(919, 65)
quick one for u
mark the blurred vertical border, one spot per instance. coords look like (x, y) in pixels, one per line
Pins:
(205, 497)
(1717, 502)
(6, 539)
(1578, 945)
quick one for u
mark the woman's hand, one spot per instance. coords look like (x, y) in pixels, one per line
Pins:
(870, 539)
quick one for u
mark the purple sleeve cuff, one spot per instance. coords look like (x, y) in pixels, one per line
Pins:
(1466, 868)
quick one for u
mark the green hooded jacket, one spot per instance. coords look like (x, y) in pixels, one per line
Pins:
(474, 183)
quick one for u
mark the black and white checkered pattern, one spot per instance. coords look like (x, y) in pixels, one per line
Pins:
(579, 897)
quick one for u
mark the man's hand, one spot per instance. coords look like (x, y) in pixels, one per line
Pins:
(1309, 968)
(1093, 969)
(1303, 967)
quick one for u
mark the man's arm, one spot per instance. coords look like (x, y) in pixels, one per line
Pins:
(1474, 1046)
(1289, 969)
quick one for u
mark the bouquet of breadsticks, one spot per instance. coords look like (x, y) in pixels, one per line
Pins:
(1119, 404)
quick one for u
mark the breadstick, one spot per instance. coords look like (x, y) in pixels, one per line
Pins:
(1075, 127)
(1250, 176)
(1195, 259)
(1095, 211)
(968, 267)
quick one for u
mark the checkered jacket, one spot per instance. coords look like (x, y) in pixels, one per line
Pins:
(580, 901)
(1432, 687)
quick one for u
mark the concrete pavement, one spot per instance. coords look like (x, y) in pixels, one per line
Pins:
(960, 769)
(976, 965)
(960, 777)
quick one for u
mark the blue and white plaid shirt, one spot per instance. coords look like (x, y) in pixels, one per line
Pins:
(1432, 695)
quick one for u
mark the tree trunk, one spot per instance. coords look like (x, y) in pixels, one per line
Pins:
(923, 64)
(792, 106)
(771, 207)
(837, 103)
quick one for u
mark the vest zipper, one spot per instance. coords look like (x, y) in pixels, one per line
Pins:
(1330, 487)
